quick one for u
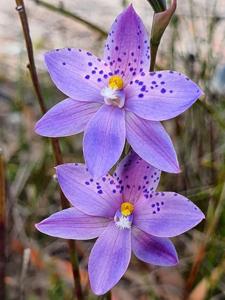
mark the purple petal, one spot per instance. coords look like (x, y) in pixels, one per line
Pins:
(153, 250)
(73, 224)
(167, 214)
(66, 118)
(104, 139)
(109, 258)
(93, 197)
(161, 95)
(77, 73)
(136, 177)
(152, 143)
(127, 47)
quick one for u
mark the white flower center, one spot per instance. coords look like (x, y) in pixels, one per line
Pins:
(113, 97)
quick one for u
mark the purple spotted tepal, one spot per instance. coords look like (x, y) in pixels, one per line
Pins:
(117, 98)
(126, 214)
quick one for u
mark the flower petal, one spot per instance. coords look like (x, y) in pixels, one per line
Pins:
(136, 177)
(96, 198)
(104, 139)
(109, 258)
(77, 73)
(161, 95)
(152, 143)
(127, 47)
(153, 250)
(66, 118)
(166, 214)
(73, 224)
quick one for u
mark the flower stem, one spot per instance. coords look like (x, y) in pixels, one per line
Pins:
(161, 19)
(2, 227)
(55, 143)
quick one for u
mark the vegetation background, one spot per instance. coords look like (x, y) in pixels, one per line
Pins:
(37, 266)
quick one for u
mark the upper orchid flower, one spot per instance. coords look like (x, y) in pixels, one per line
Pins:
(117, 98)
(126, 213)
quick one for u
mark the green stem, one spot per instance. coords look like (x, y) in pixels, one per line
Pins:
(158, 5)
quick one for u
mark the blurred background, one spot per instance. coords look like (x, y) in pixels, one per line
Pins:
(37, 266)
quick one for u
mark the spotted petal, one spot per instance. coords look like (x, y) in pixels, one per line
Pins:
(109, 258)
(136, 177)
(166, 214)
(73, 224)
(66, 118)
(161, 95)
(77, 73)
(96, 198)
(127, 47)
(153, 250)
(152, 143)
(104, 139)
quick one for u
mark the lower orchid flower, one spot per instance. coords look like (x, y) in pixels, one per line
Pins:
(117, 98)
(125, 213)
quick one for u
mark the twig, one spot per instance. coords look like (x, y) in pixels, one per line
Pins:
(202, 249)
(72, 16)
(55, 143)
(25, 264)
(2, 227)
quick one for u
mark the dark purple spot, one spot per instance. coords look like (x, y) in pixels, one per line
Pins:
(64, 63)
(141, 95)
(90, 64)
(87, 183)
(163, 91)
(159, 75)
(99, 79)
(100, 192)
(87, 77)
(116, 48)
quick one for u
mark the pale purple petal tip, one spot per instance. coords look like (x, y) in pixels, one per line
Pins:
(109, 258)
(93, 197)
(66, 118)
(167, 214)
(137, 177)
(152, 143)
(72, 224)
(153, 250)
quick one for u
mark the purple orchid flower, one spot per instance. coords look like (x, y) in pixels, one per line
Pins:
(126, 214)
(117, 98)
